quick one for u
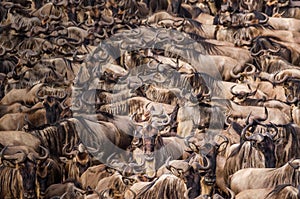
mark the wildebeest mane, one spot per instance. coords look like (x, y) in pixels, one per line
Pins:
(213, 84)
(285, 131)
(278, 189)
(10, 183)
(55, 136)
(283, 175)
(210, 48)
(195, 24)
(162, 187)
(238, 149)
(236, 160)
(106, 114)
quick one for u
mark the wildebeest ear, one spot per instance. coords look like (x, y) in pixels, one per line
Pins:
(8, 164)
(63, 159)
(222, 147)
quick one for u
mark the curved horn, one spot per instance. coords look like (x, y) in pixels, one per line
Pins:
(226, 140)
(168, 163)
(231, 91)
(142, 164)
(266, 116)
(277, 49)
(265, 20)
(232, 194)
(197, 166)
(252, 71)
(186, 140)
(294, 100)
(248, 117)
(45, 156)
(227, 121)
(243, 133)
(53, 17)
(292, 165)
(234, 75)
(64, 151)
(168, 118)
(282, 80)
(208, 94)
(86, 100)
(37, 94)
(60, 3)
(2, 152)
(258, 53)
(133, 120)
(2, 51)
(63, 196)
(276, 130)
(18, 157)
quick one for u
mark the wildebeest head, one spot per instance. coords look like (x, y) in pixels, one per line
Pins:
(268, 45)
(262, 140)
(76, 162)
(292, 89)
(52, 98)
(23, 160)
(48, 172)
(242, 19)
(116, 184)
(205, 160)
(179, 168)
(149, 140)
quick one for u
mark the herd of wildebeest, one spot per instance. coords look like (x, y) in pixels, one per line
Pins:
(149, 99)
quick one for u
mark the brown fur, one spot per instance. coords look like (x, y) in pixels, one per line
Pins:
(167, 186)
(254, 178)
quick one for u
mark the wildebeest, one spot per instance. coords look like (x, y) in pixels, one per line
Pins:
(255, 178)
(48, 172)
(156, 148)
(283, 191)
(25, 96)
(75, 162)
(257, 151)
(69, 188)
(116, 184)
(183, 170)
(55, 137)
(94, 174)
(18, 171)
(206, 150)
(166, 186)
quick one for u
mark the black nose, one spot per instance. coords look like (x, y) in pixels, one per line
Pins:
(29, 195)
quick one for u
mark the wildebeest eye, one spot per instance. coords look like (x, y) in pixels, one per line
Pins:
(202, 173)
